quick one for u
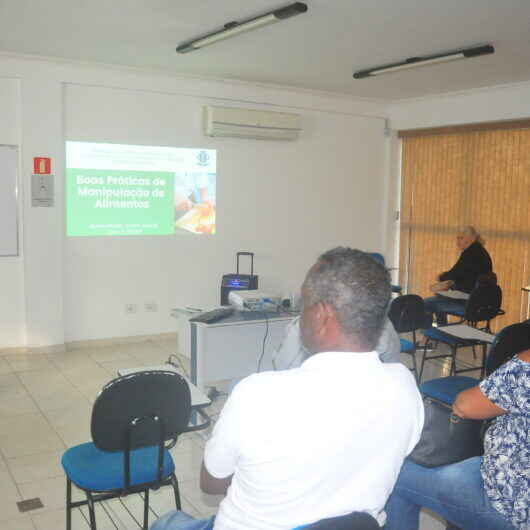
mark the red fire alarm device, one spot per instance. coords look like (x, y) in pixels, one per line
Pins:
(42, 166)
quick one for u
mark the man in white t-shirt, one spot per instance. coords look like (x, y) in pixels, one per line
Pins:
(328, 438)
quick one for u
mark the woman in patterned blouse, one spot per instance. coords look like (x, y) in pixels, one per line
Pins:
(481, 493)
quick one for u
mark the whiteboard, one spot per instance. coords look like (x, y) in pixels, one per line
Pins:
(8, 201)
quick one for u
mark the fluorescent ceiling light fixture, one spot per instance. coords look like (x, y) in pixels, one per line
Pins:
(415, 62)
(231, 29)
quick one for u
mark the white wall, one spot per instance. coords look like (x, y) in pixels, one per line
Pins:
(285, 201)
(488, 104)
(12, 310)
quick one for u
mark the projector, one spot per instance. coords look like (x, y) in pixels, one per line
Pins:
(253, 300)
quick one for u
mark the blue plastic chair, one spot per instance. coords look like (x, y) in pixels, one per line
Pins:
(510, 341)
(381, 259)
(132, 419)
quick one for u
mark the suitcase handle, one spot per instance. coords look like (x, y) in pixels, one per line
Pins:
(251, 254)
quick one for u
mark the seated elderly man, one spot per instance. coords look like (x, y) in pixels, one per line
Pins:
(474, 262)
(328, 438)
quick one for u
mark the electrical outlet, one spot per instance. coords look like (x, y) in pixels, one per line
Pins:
(131, 308)
(151, 307)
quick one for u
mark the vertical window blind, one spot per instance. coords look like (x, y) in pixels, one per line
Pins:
(479, 178)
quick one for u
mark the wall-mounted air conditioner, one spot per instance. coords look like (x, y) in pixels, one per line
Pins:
(245, 123)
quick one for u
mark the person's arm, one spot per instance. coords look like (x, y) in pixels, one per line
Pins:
(212, 485)
(473, 404)
(457, 269)
(223, 450)
(500, 393)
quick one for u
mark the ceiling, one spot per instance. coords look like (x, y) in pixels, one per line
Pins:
(316, 50)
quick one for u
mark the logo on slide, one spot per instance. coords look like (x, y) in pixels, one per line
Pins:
(203, 158)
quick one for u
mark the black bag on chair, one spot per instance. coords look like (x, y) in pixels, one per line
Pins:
(446, 438)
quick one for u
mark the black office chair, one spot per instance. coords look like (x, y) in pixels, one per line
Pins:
(510, 341)
(351, 521)
(132, 419)
(483, 305)
(407, 314)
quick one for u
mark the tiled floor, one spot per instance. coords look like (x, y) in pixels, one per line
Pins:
(45, 406)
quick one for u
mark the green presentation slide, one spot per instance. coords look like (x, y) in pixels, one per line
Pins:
(126, 190)
(115, 202)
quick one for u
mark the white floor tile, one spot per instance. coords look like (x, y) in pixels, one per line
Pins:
(26, 363)
(52, 493)
(205, 504)
(104, 518)
(9, 496)
(55, 398)
(81, 375)
(162, 501)
(27, 434)
(110, 354)
(10, 383)
(43, 381)
(134, 505)
(72, 424)
(431, 521)
(188, 464)
(5, 368)
(37, 467)
(14, 405)
(121, 517)
(21, 523)
(56, 519)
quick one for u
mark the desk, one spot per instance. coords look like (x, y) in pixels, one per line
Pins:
(454, 294)
(468, 336)
(231, 348)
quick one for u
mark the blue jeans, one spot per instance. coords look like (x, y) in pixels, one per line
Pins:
(440, 305)
(181, 521)
(456, 492)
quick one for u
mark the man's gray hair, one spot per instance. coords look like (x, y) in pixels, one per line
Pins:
(356, 286)
(472, 232)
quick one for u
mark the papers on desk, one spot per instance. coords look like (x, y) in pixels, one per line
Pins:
(453, 293)
(463, 331)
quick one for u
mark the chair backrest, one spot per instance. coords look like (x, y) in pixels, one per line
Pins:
(140, 395)
(378, 257)
(407, 313)
(510, 341)
(484, 303)
(351, 521)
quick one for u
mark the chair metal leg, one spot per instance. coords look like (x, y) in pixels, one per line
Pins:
(91, 511)
(484, 354)
(415, 367)
(422, 361)
(146, 509)
(68, 504)
(175, 484)
(453, 361)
